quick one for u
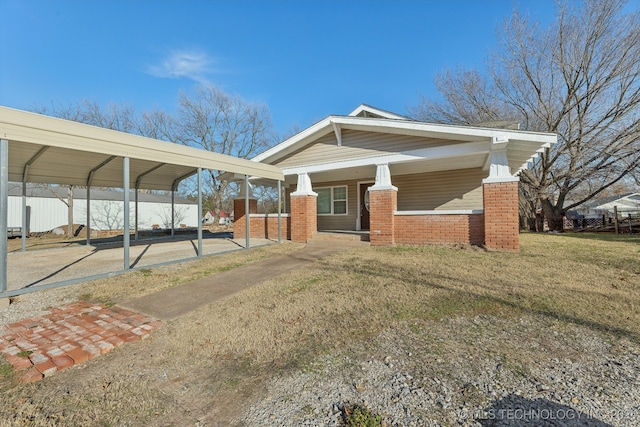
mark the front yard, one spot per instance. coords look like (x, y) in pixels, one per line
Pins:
(420, 336)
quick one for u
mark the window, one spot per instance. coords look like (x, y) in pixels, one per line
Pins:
(332, 200)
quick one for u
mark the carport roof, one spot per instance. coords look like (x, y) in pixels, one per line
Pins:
(49, 150)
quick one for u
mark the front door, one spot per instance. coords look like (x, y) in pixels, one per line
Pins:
(364, 206)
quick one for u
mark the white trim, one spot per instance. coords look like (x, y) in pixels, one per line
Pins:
(442, 212)
(404, 127)
(338, 132)
(431, 153)
(269, 215)
(494, 180)
(376, 111)
(383, 179)
(304, 187)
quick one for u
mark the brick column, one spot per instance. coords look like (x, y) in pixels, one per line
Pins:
(383, 203)
(382, 206)
(304, 208)
(500, 201)
(304, 220)
(239, 228)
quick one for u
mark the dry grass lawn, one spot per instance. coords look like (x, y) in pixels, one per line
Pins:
(207, 366)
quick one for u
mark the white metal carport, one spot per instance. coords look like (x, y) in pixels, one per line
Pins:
(42, 149)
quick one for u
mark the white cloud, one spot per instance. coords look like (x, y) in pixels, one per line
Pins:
(192, 65)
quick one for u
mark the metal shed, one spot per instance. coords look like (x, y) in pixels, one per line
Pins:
(42, 149)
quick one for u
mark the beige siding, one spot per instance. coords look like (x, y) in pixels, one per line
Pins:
(446, 190)
(335, 222)
(356, 145)
(341, 222)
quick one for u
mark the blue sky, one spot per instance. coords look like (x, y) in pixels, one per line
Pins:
(304, 59)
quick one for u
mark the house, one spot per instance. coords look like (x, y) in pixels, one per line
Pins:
(406, 181)
(225, 218)
(47, 208)
(623, 203)
(600, 212)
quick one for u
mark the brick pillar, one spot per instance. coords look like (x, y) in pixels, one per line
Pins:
(239, 225)
(382, 206)
(383, 203)
(304, 220)
(500, 201)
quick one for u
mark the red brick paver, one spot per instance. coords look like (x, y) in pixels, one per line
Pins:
(41, 346)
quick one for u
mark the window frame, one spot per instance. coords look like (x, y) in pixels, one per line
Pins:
(333, 200)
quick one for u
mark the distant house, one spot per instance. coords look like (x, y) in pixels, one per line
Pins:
(625, 203)
(47, 209)
(225, 218)
(601, 211)
(406, 181)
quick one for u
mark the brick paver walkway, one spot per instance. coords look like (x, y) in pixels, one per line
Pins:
(41, 346)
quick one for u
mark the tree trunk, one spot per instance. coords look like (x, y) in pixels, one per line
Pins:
(70, 211)
(554, 215)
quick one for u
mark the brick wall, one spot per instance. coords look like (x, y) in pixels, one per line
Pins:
(501, 215)
(239, 229)
(429, 229)
(304, 221)
(260, 226)
(382, 205)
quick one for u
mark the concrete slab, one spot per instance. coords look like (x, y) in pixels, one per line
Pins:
(47, 266)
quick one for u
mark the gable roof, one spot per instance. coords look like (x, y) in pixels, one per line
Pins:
(521, 146)
(627, 199)
(364, 110)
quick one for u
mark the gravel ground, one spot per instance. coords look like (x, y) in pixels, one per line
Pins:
(543, 373)
(38, 303)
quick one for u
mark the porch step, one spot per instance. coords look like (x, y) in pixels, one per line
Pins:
(342, 236)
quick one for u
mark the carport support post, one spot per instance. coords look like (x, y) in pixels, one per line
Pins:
(246, 211)
(125, 234)
(136, 207)
(23, 233)
(88, 214)
(4, 206)
(199, 212)
(279, 211)
(173, 210)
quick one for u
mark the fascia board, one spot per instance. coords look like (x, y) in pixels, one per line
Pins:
(443, 131)
(540, 140)
(21, 126)
(378, 111)
(433, 153)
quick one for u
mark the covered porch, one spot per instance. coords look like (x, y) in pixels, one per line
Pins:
(406, 182)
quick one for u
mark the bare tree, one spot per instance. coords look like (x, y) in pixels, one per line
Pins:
(578, 77)
(216, 121)
(208, 118)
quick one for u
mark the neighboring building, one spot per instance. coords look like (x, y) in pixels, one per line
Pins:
(408, 182)
(600, 212)
(210, 218)
(47, 208)
(624, 203)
